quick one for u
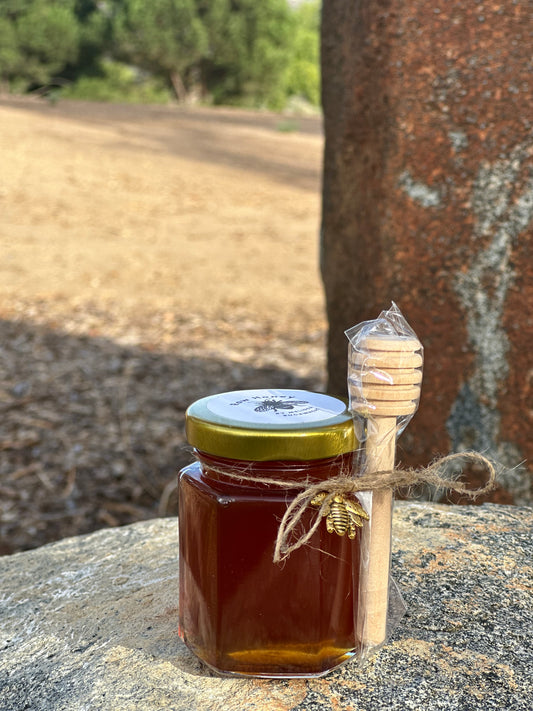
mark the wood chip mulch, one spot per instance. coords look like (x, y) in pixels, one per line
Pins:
(92, 407)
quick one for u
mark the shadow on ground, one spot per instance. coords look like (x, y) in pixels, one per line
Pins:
(91, 431)
(223, 137)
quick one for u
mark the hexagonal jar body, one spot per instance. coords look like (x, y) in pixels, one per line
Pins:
(241, 613)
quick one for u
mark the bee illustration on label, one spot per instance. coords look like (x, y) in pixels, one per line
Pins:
(275, 405)
(342, 515)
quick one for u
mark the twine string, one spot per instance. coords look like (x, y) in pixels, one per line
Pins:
(345, 484)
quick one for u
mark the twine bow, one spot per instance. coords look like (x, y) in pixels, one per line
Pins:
(346, 483)
(373, 481)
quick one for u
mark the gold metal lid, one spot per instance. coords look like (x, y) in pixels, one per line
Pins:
(271, 425)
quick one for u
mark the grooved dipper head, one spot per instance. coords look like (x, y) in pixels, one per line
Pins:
(386, 376)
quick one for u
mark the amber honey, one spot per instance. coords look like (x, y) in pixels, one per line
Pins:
(240, 612)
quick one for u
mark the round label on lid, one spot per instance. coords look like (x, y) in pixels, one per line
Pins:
(275, 407)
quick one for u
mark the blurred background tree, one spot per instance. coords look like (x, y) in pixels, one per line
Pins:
(38, 39)
(240, 52)
(165, 37)
(303, 72)
(249, 50)
(95, 38)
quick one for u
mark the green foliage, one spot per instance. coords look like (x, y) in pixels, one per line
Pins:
(256, 53)
(249, 48)
(94, 20)
(163, 36)
(118, 82)
(9, 51)
(303, 76)
(43, 37)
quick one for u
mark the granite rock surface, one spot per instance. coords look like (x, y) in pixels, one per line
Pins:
(90, 623)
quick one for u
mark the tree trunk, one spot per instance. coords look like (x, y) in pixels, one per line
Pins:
(428, 201)
(178, 86)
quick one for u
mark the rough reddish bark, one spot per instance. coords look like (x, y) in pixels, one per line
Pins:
(428, 201)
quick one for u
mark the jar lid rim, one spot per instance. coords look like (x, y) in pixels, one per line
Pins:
(261, 425)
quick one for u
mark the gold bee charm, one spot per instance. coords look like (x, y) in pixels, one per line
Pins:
(342, 515)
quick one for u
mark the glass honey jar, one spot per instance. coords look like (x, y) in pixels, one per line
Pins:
(241, 613)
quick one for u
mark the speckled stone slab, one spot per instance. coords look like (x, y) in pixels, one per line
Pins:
(90, 624)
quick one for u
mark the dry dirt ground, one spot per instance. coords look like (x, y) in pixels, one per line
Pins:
(148, 256)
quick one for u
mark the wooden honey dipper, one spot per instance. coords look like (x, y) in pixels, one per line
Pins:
(384, 384)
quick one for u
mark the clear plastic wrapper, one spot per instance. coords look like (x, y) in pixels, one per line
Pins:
(385, 361)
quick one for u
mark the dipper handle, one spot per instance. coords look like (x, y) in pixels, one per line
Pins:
(384, 384)
(376, 537)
